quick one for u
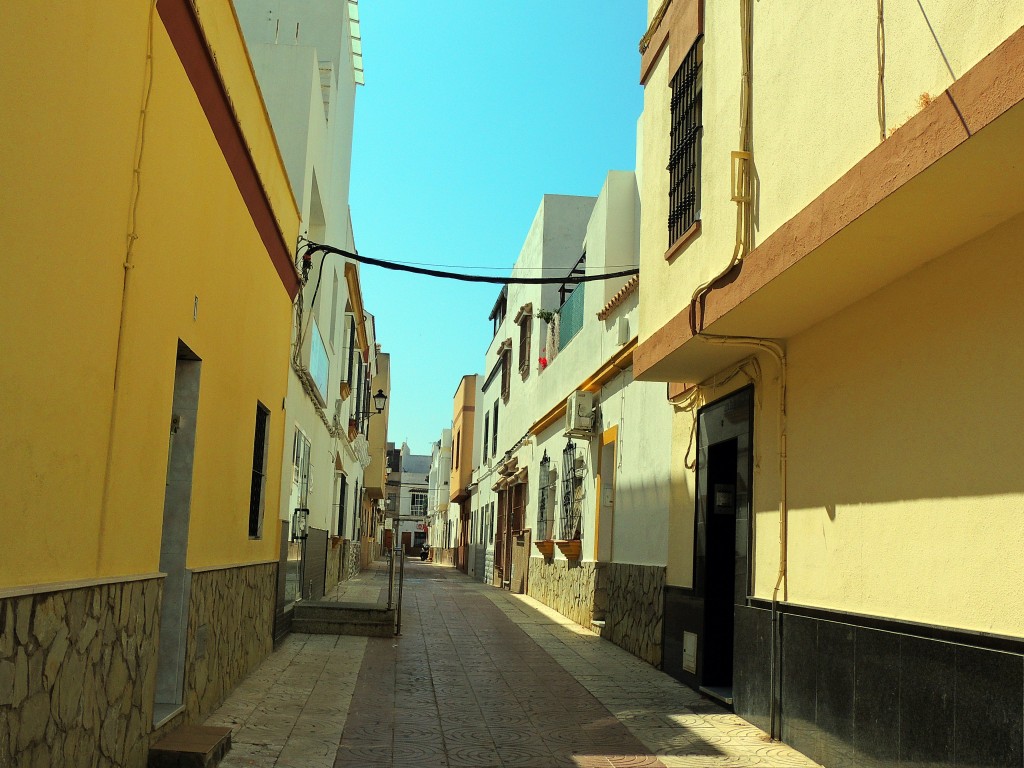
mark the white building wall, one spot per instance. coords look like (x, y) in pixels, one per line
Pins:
(606, 228)
(302, 55)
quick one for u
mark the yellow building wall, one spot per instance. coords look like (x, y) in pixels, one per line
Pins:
(815, 115)
(463, 422)
(904, 442)
(763, 371)
(905, 439)
(376, 474)
(67, 162)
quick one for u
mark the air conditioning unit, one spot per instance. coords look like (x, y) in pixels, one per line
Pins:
(579, 413)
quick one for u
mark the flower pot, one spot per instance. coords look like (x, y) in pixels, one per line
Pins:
(571, 548)
(546, 548)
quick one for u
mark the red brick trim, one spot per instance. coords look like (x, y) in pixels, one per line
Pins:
(178, 17)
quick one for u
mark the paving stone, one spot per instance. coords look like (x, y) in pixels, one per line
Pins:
(479, 678)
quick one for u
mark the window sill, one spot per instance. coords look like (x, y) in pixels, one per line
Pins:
(684, 240)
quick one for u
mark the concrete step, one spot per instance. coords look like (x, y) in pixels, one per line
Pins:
(191, 746)
(326, 618)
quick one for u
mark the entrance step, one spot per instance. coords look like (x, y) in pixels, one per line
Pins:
(327, 618)
(719, 693)
(191, 746)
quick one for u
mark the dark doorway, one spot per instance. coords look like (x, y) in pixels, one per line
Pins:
(724, 473)
(720, 586)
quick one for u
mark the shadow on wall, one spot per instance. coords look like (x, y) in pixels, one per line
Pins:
(914, 392)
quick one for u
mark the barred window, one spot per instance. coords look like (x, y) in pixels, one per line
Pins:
(572, 494)
(257, 489)
(684, 156)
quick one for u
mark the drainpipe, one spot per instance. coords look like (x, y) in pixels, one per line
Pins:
(782, 579)
(129, 265)
(742, 161)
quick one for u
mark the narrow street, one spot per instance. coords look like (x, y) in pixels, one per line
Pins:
(478, 678)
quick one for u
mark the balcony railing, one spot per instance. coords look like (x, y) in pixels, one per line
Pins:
(570, 317)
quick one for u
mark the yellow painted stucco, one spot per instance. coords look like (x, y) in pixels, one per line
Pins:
(815, 115)
(463, 421)
(70, 125)
(905, 413)
(903, 436)
(902, 411)
(375, 477)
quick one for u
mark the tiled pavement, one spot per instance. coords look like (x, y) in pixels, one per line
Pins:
(479, 678)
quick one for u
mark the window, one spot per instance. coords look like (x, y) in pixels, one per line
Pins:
(545, 500)
(572, 494)
(357, 386)
(525, 321)
(392, 502)
(357, 504)
(259, 471)
(497, 315)
(506, 373)
(334, 310)
(342, 499)
(458, 447)
(494, 433)
(487, 436)
(570, 307)
(684, 155)
(351, 320)
(301, 466)
(570, 316)
(419, 502)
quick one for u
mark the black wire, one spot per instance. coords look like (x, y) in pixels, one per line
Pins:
(314, 247)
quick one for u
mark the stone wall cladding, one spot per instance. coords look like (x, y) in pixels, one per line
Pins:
(77, 674)
(282, 617)
(567, 587)
(350, 560)
(634, 597)
(335, 558)
(230, 631)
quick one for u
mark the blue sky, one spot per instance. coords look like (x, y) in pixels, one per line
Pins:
(471, 112)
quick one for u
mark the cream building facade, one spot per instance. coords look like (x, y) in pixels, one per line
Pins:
(844, 541)
(575, 512)
(307, 57)
(441, 530)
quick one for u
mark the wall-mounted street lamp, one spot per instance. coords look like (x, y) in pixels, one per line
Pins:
(379, 401)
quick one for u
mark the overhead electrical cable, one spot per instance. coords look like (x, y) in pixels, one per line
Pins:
(309, 248)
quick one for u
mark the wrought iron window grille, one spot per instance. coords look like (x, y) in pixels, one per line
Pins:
(572, 495)
(685, 148)
(546, 493)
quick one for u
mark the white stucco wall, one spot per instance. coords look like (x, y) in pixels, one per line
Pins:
(605, 227)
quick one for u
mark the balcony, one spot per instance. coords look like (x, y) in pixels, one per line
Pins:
(570, 317)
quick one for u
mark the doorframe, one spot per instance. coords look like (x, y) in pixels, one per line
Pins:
(609, 437)
(169, 685)
(701, 579)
